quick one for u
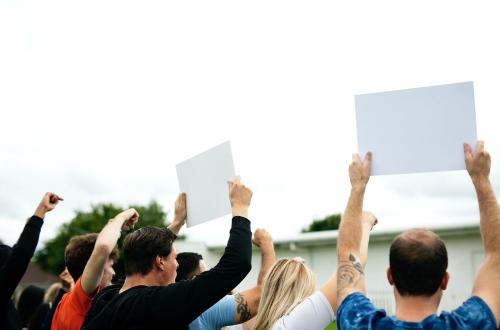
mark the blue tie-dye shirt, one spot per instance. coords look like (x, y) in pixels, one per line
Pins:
(357, 312)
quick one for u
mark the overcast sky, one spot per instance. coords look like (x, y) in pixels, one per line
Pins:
(100, 100)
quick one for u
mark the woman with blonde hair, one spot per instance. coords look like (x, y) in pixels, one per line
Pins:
(289, 300)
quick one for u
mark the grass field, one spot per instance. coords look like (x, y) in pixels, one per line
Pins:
(331, 326)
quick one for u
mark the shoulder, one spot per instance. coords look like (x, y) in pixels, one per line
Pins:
(357, 311)
(220, 314)
(474, 312)
(225, 304)
(77, 298)
(314, 312)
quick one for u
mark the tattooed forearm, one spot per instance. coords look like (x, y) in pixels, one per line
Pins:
(349, 273)
(242, 308)
(356, 264)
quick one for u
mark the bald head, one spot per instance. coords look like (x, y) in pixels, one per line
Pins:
(418, 261)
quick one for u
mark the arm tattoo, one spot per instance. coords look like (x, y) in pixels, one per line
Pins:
(356, 264)
(349, 274)
(242, 308)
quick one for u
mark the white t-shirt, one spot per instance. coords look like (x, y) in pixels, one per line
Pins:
(315, 312)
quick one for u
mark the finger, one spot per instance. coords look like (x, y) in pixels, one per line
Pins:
(467, 151)
(368, 157)
(53, 198)
(355, 158)
(237, 180)
(480, 146)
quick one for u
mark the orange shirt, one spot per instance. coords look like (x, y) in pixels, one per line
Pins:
(72, 308)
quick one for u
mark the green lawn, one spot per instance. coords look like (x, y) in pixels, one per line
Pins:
(331, 326)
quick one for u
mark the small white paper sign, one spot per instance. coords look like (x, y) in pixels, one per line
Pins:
(204, 180)
(416, 130)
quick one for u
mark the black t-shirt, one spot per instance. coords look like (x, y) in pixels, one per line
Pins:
(176, 305)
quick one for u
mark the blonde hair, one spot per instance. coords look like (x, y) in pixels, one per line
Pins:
(287, 284)
(51, 292)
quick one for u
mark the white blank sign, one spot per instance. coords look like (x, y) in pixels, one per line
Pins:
(204, 180)
(416, 130)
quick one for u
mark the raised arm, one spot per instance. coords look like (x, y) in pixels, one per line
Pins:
(368, 220)
(350, 274)
(209, 287)
(247, 302)
(487, 283)
(180, 214)
(104, 245)
(15, 266)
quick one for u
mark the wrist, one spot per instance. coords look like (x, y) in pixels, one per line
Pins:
(178, 221)
(358, 187)
(268, 252)
(240, 211)
(40, 212)
(480, 179)
(175, 227)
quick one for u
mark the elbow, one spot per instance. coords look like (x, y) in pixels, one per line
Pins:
(102, 249)
(246, 266)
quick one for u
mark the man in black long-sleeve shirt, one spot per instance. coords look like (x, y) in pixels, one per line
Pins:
(149, 298)
(15, 260)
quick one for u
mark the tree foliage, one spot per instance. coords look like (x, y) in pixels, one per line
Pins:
(51, 257)
(330, 222)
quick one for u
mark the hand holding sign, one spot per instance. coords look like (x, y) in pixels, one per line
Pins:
(240, 197)
(204, 179)
(416, 130)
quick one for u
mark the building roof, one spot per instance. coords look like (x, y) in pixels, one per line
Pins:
(387, 234)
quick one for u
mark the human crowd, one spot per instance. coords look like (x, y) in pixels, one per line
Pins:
(166, 290)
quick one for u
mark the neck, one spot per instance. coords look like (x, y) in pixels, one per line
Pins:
(138, 279)
(416, 308)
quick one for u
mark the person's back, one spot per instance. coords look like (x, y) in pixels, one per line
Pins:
(149, 298)
(89, 259)
(233, 308)
(418, 263)
(29, 300)
(14, 261)
(358, 312)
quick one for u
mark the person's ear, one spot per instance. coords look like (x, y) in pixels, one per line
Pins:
(390, 279)
(444, 281)
(159, 263)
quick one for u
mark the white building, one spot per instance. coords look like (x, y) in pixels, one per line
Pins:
(465, 253)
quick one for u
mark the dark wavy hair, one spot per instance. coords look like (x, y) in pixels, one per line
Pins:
(141, 247)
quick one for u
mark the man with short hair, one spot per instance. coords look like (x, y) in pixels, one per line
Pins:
(89, 260)
(14, 260)
(418, 262)
(149, 298)
(233, 308)
(191, 264)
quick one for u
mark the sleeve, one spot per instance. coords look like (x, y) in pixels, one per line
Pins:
(72, 308)
(223, 312)
(219, 315)
(473, 314)
(79, 299)
(196, 296)
(357, 311)
(14, 268)
(234, 327)
(315, 312)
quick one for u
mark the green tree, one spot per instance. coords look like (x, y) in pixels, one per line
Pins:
(51, 257)
(330, 222)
